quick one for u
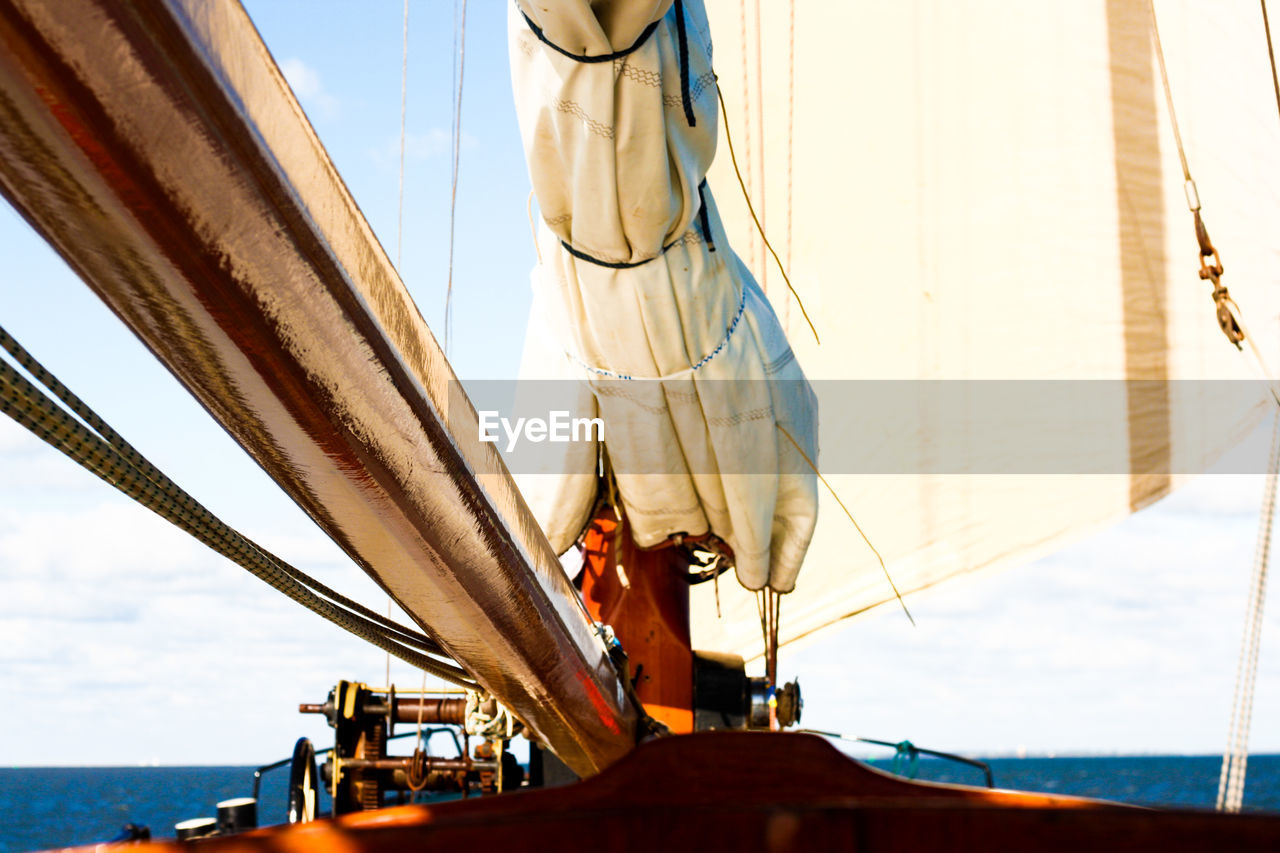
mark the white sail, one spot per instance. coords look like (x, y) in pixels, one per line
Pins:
(638, 294)
(992, 191)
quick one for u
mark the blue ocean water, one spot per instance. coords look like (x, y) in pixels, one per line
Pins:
(1185, 781)
(53, 807)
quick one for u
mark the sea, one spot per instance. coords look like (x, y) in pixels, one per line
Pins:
(46, 807)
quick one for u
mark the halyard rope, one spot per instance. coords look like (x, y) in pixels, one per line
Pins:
(404, 102)
(1235, 759)
(459, 67)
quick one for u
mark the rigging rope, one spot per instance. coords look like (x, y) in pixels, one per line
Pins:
(1227, 310)
(769, 605)
(728, 138)
(764, 266)
(404, 101)
(460, 62)
(849, 514)
(101, 450)
(1235, 760)
(746, 124)
(791, 127)
(1271, 53)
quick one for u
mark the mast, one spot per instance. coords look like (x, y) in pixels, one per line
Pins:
(157, 148)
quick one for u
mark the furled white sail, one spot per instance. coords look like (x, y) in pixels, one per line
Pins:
(638, 295)
(991, 190)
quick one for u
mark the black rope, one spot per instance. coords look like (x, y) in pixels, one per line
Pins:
(613, 265)
(703, 218)
(682, 39)
(576, 57)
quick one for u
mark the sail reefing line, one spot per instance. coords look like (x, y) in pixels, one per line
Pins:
(101, 450)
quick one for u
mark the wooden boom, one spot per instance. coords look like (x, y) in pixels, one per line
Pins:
(158, 149)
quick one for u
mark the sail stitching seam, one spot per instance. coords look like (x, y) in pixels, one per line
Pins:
(742, 417)
(575, 109)
(696, 90)
(733, 327)
(633, 510)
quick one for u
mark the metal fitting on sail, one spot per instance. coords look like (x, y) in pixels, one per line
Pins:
(1212, 272)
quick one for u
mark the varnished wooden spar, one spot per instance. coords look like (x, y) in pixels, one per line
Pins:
(157, 147)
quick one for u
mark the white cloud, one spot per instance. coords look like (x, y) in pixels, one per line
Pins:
(1125, 642)
(306, 84)
(104, 605)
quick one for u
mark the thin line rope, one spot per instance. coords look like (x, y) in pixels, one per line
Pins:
(1168, 91)
(103, 452)
(1246, 669)
(422, 703)
(746, 120)
(404, 101)
(728, 138)
(1271, 53)
(849, 514)
(1193, 195)
(769, 609)
(762, 611)
(1259, 363)
(1235, 760)
(791, 126)
(764, 266)
(460, 64)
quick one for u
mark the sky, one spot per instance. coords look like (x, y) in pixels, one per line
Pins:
(124, 641)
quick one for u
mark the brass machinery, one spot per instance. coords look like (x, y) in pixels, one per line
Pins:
(360, 774)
